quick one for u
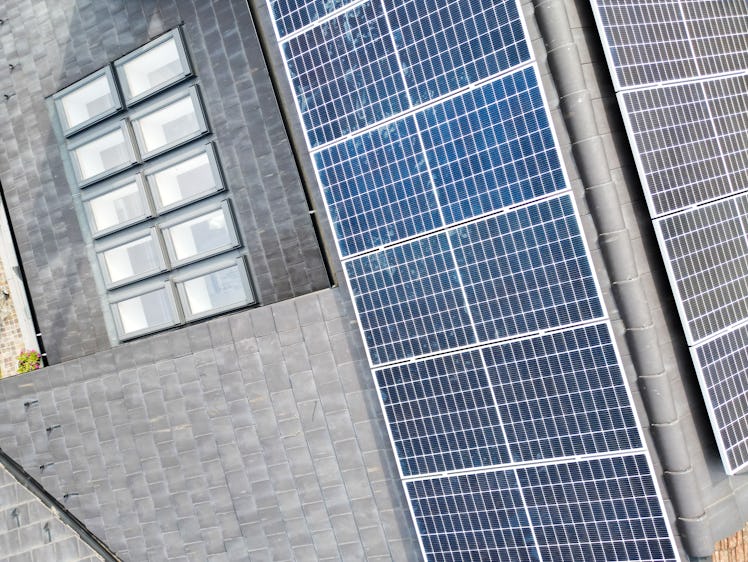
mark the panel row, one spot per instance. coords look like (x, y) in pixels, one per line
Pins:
(557, 395)
(381, 58)
(473, 154)
(506, 275)
(596, 510)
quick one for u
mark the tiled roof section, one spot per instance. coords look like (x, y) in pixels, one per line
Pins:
(31, 531)
(252, 435)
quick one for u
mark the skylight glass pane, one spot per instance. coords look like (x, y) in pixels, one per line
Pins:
(145, 312)
(103, 154)
(220, 289)
(183, 182)
(167, 126)
(155, 68)
(87, 102)
(116, 208)
(201, 236)
(132, 260)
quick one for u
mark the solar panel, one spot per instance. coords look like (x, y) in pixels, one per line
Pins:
(723, 367)
(446, 45)
(526, 270)
(689, 139)
(655, 42)
(596, 510)
(491, 147)
(442, 415)
(409, 300)
(689, 142)
(345, 74)
(472, 282)
(377, 188)
(562, 394)
(706, 250)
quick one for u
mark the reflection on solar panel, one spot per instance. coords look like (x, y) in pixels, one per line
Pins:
(502, 390)
(292, 15)
(689, 138)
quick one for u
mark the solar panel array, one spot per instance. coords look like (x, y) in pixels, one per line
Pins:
(681, 69)
(498, 375)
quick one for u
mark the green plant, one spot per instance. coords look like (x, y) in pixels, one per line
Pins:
(29, 360)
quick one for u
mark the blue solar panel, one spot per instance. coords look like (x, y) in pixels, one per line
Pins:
(562, 394)
(526, 270)
(472, 517)
(292, 15)
(345, 74)
(442, 414)
(409, 300)
(377, 188)
(445, 45)
(595, 510)
(491, 147)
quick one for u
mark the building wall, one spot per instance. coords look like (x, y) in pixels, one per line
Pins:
(52, 44)
(253, 436)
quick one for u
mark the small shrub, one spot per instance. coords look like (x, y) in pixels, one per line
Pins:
(29, 360)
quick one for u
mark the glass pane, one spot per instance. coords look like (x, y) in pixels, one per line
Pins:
(200, 236)
(102, 154)
(158, 66)
(133, 259)
(216, 290)
(150, 310)
(86, 102)
(167, 125)
(117, 207)
(183, 182)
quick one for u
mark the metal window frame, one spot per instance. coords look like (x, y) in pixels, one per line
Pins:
(193, 213)
(206, 268)
(89, 195)
(191, 92)
(93, 135)
(162, 264)
(67, 129)
(176, 159)
(175, 35)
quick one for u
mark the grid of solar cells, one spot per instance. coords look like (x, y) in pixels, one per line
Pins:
(707, 250)
(562, 394)
(472, 517)
(526, 270)
(648, 41)
(446, 45)
(678, 146)
(409, 300)
(345, 74)
(491, 147)
(377, 187)
(292, 15)
(717, 32)
(723, 364)
(442, 414)
(595, 510)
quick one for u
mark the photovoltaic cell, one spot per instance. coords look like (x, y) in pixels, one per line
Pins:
(595, 510)
(653, 42)
(292, 15)
(526, 270)
(377, 187)
(442, 414)
(723, 365)
(690, 139)
(409, 300)
(446, 45)
(707, 252)
(345, 74)
(472, 517)
(562, 394)
(491, 147)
